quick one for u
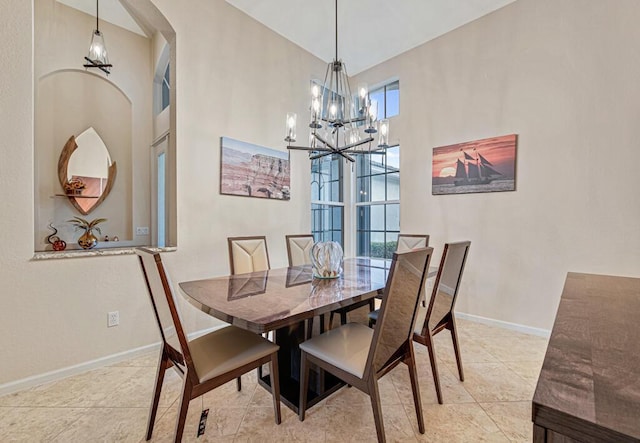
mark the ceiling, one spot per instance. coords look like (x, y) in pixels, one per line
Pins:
(110, 11)
(369, 31)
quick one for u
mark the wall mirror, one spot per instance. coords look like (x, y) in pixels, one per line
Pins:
(85, 171)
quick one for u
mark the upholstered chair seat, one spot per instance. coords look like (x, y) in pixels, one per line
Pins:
(346, 347)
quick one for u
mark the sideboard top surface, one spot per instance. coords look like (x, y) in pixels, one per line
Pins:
(590, 378)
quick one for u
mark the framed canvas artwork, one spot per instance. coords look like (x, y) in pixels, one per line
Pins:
(253, 171)
(487, 165)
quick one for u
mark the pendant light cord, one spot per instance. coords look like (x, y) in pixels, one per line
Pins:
(98, 14)
(336, 30)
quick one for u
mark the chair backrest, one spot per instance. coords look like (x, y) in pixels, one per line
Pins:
(164, 307)
(407, 242)
(447, 284)
(248, 254)
(396, 317)
(298, 248)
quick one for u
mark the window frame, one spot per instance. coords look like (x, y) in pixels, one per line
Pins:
(319, 233)
(358, 205)
(384, 87)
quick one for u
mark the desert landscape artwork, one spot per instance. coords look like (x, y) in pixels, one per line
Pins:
(253, 171)
(487, 165)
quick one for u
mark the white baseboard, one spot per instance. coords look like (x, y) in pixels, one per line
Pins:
(505, 324)
(59, 374)
(35, 380)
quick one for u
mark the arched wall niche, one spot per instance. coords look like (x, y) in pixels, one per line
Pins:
(69, 102)
(119, 107)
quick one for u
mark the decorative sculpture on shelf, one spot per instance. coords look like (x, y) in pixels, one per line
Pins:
(87, 240)
(54, 240)
(326, 259)
(74, 186)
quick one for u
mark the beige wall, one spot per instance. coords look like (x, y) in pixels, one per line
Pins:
(234, 78)
(564, 77)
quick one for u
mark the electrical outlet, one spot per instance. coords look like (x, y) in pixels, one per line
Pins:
(113, 319)
(142, 230)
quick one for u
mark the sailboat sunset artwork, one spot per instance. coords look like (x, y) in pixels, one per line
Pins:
(487, 165)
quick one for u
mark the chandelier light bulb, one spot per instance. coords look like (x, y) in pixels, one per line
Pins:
(363, 90)
(291, 127)
(354, 136)
(333, 110)
(383, 139)
(315, 91)
(315, 107)
(373, 110)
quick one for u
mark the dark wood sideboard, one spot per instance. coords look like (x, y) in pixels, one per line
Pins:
(589, 385)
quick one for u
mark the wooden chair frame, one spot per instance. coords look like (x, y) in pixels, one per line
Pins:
(369, 381)
(182, 362)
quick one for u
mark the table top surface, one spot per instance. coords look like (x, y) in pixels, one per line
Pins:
(268, 300)
(590, 379)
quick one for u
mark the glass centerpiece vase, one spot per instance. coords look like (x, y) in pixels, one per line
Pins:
(326, 259)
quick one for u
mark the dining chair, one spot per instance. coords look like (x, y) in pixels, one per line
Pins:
(248, 254)
(206, 362)
(407, 242)
(359, 355)
(438, 315)
(298, 249)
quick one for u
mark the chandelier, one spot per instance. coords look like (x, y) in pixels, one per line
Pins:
(337, 119)
(97, 57)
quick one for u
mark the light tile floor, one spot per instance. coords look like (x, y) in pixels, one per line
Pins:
(111, 404)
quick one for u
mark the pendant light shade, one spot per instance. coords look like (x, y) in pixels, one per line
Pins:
(97, 50)
(98, 57)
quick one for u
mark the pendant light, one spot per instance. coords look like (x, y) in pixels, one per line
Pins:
(98, 57)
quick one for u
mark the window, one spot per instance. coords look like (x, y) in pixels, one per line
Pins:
(162, 82)
(327, 207)
(160, 204)
(161, 198)
(377, 195)
(166, 88)
(388, 98)
(378, 203)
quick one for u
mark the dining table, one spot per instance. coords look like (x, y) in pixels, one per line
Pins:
(281, 300)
